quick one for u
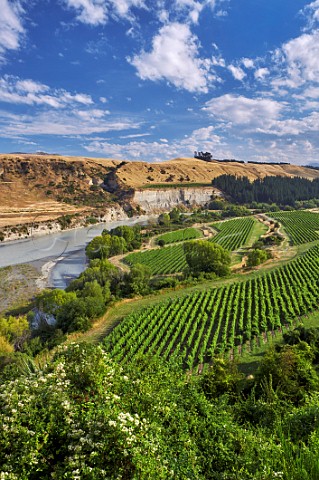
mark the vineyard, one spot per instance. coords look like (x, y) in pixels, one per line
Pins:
(180, 235)
(233, 234)
(160, 261)
(199, 325)
(301, 226)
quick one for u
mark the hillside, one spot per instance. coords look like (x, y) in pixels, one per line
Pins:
(37, 187)
(191, 170)
(44, 187)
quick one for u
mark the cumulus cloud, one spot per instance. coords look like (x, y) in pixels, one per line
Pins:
(301, 56)
(311, 11)
(248, 63)
(27, 91)
(261, 73)
(122, 8)
(11, 28)
(97, 12)
(194, 8)
(92, 12)
(237, 72)
(175, 57)
(292, 126)
(240, 110)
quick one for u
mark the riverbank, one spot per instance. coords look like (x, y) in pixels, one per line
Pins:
(18, 285)
(25, 231)
(55, 259)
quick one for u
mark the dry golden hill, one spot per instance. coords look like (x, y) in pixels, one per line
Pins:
(191, 170)
(44, 187)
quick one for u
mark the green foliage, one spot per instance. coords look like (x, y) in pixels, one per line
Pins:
(50, 301)
(164, 219)
(256, 257)
(84, 416)
(270, 189)
(220, 378)
(175, 215)
(104, 246)
(13, 328)
(138, 280)
(291, 370)
(203, 256)
(131, 235)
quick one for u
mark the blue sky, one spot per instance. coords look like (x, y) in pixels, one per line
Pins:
(157, 79)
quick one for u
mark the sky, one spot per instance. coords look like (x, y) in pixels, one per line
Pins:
(154, 80)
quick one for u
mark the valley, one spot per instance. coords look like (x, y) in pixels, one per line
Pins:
(177, 289)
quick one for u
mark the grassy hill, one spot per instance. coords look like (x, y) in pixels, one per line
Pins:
(44, 187)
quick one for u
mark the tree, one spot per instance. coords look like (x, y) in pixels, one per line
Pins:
(99, 247)
(203, 256)
(164, 219)
(138, 279)
(104, 246)
(174, 215)
(256, 257)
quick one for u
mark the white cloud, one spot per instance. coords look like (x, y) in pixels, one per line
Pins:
(122, 7)
(302, 59)
(136, 135)
(174, 57)
(261, 73)
(312, 13)
(151, 151)
(292, 126)
(311, 92)
(237, 72)
(92, 12)
(11, 28)
(248, 63)
(241, 110)
(194, 8)
(218, 62)
(17, 91)
(97, 12)
(65, 123)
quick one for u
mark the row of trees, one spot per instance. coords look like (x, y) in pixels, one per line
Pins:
(271, 189)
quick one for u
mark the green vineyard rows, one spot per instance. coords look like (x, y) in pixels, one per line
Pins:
(301, 226)
(160, 261)
(199, 325)
(233, 234)
(180, 235)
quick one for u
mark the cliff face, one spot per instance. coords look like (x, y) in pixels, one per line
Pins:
(157, 200)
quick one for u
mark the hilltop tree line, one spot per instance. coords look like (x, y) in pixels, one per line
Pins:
(271, 189)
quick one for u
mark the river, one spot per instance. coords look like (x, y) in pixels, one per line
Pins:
(60, 256)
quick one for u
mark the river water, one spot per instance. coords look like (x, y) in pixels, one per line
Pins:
(61, 255)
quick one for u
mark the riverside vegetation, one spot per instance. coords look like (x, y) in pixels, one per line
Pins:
(166, 394)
